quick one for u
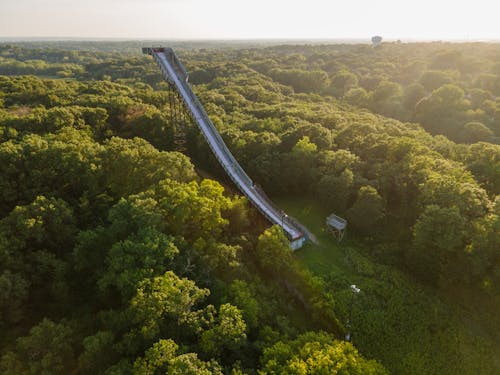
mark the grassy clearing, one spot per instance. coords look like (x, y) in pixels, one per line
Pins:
(404, 325)
(327, 257)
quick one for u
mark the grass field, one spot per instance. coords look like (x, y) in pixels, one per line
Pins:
(406, 326)
(330, 254)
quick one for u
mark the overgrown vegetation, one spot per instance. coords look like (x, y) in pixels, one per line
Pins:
(116, 257)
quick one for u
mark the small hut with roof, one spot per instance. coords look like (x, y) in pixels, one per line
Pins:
(336, 225)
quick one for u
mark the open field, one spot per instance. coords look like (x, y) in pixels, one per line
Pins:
(393, 316)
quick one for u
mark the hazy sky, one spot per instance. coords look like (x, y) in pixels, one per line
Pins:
(235, 19)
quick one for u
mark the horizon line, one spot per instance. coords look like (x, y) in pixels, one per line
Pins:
(263, 39)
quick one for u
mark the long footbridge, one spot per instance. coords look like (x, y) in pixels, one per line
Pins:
(177, 77)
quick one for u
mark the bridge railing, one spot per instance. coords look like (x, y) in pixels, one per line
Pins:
(216, 135)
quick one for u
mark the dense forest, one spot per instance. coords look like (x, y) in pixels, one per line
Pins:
(121, 253)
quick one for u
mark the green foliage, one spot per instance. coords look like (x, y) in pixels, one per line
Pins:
(367, 211)
(300, 80)
(433, 79)
(483, 160)
(132, 166)
(189, 364)
(47, 350)
(167, 294)
(483, 252)
(35, 239)
(156, 358)
(244, 298)
(406, 327)
(14, 292)
(337, 190)
(342, 82)
(386, 99)
(142, 256)
(317, 353)
(358, 97)
(438, 239)
(412, 95)
(44, 224)
(97, 353)
(101, 221)
(227, 335)
(273, 251)
(443, 111)
(475, 132)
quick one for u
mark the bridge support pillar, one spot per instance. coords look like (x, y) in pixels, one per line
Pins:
(179, 118)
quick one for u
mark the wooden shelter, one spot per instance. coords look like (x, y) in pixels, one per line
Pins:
(336, 225)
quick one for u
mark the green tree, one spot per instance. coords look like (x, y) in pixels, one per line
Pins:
(482, 252)
(156, 358)
(58, 118)
(273, 251)
(163, 296)
(98, 353)
(146, 254)
(300, 80)
(367, 211)
(412, 95)
(483, 160)
(193, 210)
(357, 96)
(299, 169)
(47, 350)
(438, 239)
(433, 79)
(342, 82)
(443, 111)
(13, 294)
(447, 191)
(131, 166)
(243, 296)
(190, 364)
(46, 223)
(227, 335)
(317, 353)
(473, 132)
(336, 191)
(335, 162)
(35, 242)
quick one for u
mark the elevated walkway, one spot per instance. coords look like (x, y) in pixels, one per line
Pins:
(176, 75)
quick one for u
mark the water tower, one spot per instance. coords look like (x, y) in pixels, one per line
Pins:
(376, 40)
